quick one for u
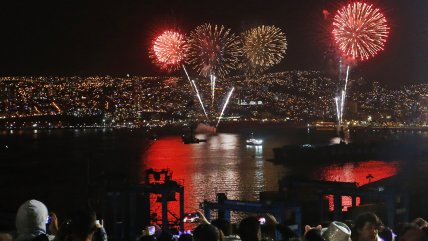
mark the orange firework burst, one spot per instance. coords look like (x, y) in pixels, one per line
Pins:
(264, 46)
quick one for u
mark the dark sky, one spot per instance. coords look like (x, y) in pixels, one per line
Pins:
(112, 37)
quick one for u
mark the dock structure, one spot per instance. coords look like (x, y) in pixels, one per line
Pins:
(395, 203)
(128, 209)
(224, 206)
(297, 202)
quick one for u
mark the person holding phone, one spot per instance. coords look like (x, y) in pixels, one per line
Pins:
(100, 233)
(205, 231)
(192, 217)
(80, 226)
(31, 221)
(226, 227)
(195, 217)
(52, 224)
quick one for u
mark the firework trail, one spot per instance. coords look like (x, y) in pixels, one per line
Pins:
(188, 77)
(264, 46)
(225, 105)
(200, 99)
(344, 94)
(336, 100)
(360, 32)
(340, 100)
(169, 50)
(347, 77)
(213, 79)
(213, 50)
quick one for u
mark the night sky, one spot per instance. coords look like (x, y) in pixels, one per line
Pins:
(112, 37)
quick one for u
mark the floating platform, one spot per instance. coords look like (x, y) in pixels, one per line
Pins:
(387, 151)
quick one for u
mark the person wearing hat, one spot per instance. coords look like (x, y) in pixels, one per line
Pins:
(31, 220)
(313, 233)
(336, 231)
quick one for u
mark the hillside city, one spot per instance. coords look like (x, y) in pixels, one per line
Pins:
(132, 101)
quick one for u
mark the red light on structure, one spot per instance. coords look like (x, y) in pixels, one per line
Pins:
(362, 173)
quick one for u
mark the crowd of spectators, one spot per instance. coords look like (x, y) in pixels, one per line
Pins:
(35, 223)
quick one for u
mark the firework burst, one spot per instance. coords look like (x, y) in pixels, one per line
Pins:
(168, 50)
(264, 46)
(360, 30)
(213, 50)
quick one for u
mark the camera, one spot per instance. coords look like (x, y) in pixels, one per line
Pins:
(191, 217)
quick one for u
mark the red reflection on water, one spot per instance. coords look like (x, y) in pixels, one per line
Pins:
(171, 153)
(359, 172)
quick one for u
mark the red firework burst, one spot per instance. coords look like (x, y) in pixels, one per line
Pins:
(360, 30)
(168, 50)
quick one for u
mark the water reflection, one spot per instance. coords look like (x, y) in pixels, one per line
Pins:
(222, 164)
(258, 150)
(226, 164)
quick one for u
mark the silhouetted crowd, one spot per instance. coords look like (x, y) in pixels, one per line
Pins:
(35, 223)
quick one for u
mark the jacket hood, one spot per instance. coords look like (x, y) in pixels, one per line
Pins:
(31, 219)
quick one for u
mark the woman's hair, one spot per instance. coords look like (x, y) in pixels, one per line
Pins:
(362, 219)
(206, 232)
(223, 225)
(249, 228)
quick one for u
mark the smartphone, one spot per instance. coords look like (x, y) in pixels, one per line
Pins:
(151, 230)
(99, 223)
(49, 220)
(191, 217)
(262, 220)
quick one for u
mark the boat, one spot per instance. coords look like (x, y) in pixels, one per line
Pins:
(323, 125)
(343, 152)
(253, 141)
(189, 137)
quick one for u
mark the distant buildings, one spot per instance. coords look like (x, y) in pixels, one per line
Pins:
(301, 96)
(423, 107)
